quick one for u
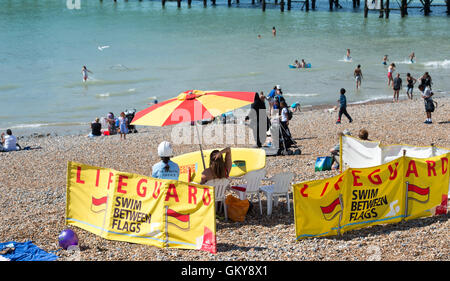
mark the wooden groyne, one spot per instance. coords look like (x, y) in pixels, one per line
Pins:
(307, 5)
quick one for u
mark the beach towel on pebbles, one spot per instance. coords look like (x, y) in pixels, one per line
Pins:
(26, 251)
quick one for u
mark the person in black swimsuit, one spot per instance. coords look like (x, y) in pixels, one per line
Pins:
(410, 85)
(425, 80)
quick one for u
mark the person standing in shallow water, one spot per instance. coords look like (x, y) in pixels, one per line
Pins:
(410, 85)
(397, 85)
(358, 76)
(84, 72)
(274, 32)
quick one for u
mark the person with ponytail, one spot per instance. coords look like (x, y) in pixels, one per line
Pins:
(165, 169)
(218, 166)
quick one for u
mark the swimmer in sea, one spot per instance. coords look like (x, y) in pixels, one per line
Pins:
(385, 59)
(412, 56)
(85, 71)
(358, 76)
(303, 64)
(348, 55)
(274, 31)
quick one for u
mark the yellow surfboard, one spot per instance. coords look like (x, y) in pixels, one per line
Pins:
(244, 161)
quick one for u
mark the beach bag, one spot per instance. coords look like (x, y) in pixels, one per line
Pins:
(236, 208)
(289, 114)
(323, 163)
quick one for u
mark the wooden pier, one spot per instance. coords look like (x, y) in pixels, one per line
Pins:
(384, 7)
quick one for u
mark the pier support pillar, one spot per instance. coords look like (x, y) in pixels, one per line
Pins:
(381, 10)
(404, 9)
(163, 2)
(282, 6)
(331, 4)
(307, 5)
(263, 5)
(366, 9)
(289, 2)
(205, 3)
(189, 3)
(229, 3)
(387, 10)
(426, 7)
(313, 4)
(179, 3)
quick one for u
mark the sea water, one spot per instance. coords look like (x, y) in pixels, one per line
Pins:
(139, 52)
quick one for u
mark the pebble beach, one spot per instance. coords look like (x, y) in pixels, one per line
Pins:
(33, 192)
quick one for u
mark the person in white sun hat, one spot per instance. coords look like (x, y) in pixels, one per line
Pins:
(165, 169)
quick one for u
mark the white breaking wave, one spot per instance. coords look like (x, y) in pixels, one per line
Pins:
(438, 64)
(102, 47)
(300, 95)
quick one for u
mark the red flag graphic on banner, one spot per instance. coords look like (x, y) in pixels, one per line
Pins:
(98, 204)
(179, 220)
(330, 211)
(417, 193)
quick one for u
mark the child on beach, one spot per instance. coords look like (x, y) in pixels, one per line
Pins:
(123, 126)
(385, 60)
(429, 104)
(343, 107)
(358, 76)
(390, 75)
(397, 85)
(410, 85)
(165, 169)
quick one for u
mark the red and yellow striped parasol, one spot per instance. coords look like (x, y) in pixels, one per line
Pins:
(192, 105)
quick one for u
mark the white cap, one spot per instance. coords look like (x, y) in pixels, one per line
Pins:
(278, 87)
(165, 149)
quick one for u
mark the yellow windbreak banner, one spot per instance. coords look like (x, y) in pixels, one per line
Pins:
(317, 207)
(403, 189)
(139, 209)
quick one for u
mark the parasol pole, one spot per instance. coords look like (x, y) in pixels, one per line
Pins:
(200, 144)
